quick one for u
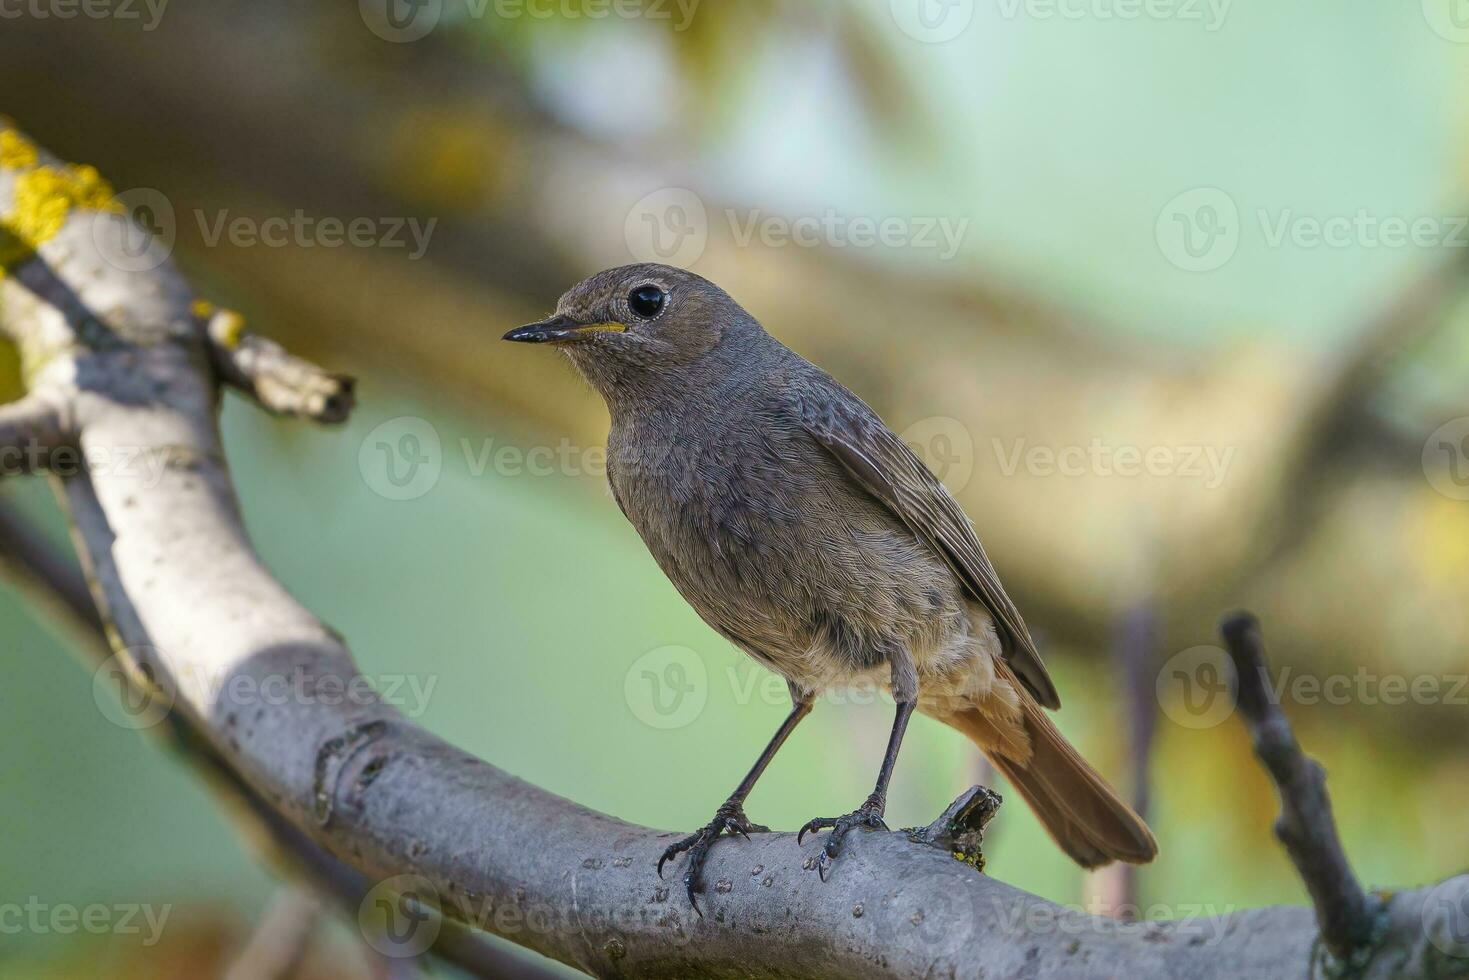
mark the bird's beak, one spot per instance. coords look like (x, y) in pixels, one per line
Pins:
(559, 329)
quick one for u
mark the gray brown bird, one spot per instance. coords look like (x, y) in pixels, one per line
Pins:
(811, 537)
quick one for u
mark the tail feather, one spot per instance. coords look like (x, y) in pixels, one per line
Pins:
(1077, 807)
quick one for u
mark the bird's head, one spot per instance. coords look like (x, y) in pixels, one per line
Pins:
(637, 326)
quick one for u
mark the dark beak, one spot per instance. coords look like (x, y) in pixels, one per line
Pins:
(559, 328)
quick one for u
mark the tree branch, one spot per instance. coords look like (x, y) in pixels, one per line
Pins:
(56, 586)
(1349, 919)
(276, 380)
(30, 429)
(185, 598)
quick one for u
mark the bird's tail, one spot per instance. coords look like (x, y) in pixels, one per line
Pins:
(1082, 813)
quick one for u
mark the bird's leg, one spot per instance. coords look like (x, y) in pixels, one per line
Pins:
(870, 813)
(730, 816)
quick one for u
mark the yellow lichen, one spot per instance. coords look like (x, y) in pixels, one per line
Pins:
(16, 152)
(202, 308)
(227, 328)
(43, 199)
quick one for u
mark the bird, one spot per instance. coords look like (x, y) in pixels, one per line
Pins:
(810, 536)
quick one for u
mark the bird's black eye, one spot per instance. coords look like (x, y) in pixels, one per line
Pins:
(646, 300)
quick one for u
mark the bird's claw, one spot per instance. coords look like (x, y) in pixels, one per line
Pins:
(729, 818)
(869, 815)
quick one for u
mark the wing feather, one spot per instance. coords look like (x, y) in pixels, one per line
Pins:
(889, 470)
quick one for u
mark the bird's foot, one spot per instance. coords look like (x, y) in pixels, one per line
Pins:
(869, 814)
(729, 818)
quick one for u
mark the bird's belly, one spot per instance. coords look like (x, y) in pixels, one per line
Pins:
(824, 592)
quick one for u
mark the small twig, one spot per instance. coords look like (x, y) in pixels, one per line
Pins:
(960, 828)
(1346, 915)
(281, 939)
(279, 381)
(1134, 654)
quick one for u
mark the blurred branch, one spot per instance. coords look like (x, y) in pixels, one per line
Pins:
(1135, 664)
(1350, 921)
(281, 939)
(1340, 426)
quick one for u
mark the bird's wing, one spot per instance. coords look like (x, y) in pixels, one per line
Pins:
(886, 468)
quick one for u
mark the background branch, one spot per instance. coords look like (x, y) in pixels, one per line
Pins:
(1349, 919)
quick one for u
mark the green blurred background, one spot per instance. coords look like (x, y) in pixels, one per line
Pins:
(1074, 146)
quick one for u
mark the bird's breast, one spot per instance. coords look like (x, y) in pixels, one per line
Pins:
(774, 547)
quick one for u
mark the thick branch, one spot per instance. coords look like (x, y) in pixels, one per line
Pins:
(30, 563)
(183, 594)
(1349, 919)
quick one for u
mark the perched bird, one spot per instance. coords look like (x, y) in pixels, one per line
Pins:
(811, 537)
